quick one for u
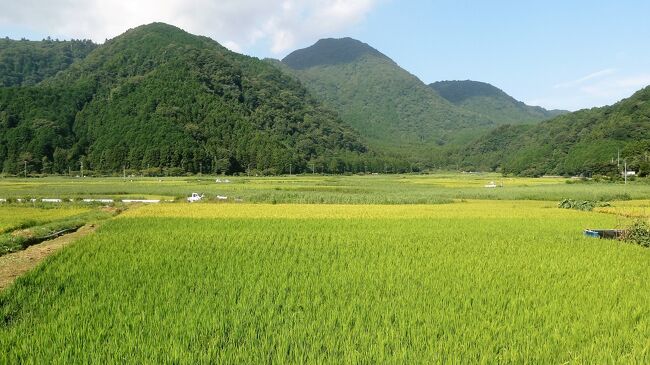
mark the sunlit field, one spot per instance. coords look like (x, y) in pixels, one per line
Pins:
(410, 269)
(22, 216)
(372, 189)
(472, 281)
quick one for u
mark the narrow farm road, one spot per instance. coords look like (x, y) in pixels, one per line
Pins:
(15, 264)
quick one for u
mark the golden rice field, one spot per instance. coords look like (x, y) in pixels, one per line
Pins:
(475, 209)
(474, 281)
(630, 209)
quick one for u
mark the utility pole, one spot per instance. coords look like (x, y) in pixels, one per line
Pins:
(124, 172)
(618, 157)
(82, 169)
(25, 168)
(313, 170)
(289, 169)
(625, 172)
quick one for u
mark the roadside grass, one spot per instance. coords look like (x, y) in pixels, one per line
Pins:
(28, 232)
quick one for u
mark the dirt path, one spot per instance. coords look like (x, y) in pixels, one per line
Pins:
(15, 264)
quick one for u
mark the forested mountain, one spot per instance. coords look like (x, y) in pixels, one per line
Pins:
(584, 142)
(392, 109)
(491, 102)
(26, 62)
(158, 97)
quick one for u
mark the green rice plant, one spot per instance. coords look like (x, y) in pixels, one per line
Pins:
(13, 217)
(32, 232)
(472, 282)
(372, 189)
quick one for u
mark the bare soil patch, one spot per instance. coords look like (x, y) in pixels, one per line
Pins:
(15, 264)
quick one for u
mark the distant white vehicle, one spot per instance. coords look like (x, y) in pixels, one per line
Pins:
(221, 197)
(492, 184)
(195, 197)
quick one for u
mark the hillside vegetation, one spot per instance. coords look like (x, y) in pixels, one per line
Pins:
(159, 101)
(491, 102)
(389, 107)
(585, 142)
(29, 62)
(158, 97)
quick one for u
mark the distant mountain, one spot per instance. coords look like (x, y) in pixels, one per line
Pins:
(583, 142)
(491, 102)
(26, 62)
(331, 52)
(391, 109)
(158, 97)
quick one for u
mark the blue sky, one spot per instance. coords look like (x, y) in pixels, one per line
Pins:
(558, 54)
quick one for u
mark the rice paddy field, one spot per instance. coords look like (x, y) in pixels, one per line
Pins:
(370, 189)
(24, 216)
(455, 273)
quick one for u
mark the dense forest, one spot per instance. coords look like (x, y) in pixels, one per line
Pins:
(157, 98)
(587, 142)
(26, 62)
(491, 102)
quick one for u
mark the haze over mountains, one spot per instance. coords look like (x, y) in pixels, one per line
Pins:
(158, 98)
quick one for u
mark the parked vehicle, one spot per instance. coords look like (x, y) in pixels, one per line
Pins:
(195, 197)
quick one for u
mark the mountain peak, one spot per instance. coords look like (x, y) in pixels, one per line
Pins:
(330, 51)
(159, 33)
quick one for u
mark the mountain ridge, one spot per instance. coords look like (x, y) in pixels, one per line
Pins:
(489, 100)
(585, 142)
(159, 97)
(24, 62)
(390, 107)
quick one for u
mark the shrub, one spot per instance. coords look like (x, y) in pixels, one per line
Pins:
(586, 205)
(639, 233)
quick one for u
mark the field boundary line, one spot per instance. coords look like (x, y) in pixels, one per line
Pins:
(15, 264)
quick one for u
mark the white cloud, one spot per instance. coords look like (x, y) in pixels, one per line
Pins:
(582, 80)
(616, 88)
(237, 24)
